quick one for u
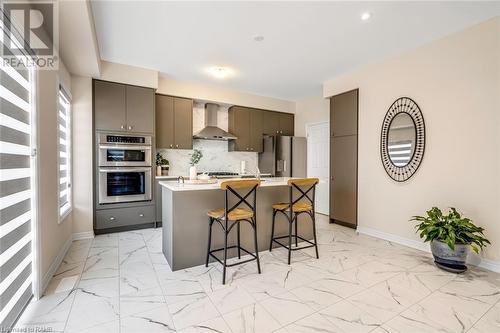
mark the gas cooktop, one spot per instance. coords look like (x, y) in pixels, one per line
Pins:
(220, 173)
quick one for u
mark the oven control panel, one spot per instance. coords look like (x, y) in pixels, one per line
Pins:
(125, 139)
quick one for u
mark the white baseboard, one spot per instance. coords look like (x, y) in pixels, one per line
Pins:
(473, 259)
(83, 235)
(55, 264)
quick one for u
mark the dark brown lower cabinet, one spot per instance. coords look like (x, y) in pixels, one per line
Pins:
(343, 185)
(344, 159)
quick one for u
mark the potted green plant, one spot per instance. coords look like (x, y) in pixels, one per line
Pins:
(451, 236)
(195, 158)
(162, 165)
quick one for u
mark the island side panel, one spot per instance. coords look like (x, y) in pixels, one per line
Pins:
(189, 224)
(167, 223)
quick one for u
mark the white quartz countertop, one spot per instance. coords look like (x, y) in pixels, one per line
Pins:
(176, 187)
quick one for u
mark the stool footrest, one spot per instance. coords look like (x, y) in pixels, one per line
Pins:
(254, 257)
(296, 248)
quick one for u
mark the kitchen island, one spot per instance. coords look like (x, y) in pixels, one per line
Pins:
(185, 220)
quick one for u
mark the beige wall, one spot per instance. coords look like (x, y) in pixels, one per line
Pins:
(53, 235)
(314, 109)
(456, 82)
(169, 86)
(81, 89)
(128, 74)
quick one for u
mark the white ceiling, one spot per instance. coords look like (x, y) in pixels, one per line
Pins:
(305, 43)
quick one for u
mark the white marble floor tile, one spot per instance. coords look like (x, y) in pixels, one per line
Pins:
(490, 322)
(107, 240)
(184, 290)
(314, 323)
(359, 284)
(380, 307)
(157, 320)
(404, 288)
(192, 312)
(251, 319)
(108, 289)
(69, 269)
(60, 302)
(343, 284)
(110, 327)
(286, 308)
(140, 276)
(229, 299)
(86, 315)
(140, 301)
(216, 325)
(49, 322)
(316, 295)
(349, 318)
(479, 290)
(453, 313)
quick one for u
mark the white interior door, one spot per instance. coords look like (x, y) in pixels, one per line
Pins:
(318, 162)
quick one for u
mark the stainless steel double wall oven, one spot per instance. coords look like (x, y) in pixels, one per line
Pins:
(125, 168)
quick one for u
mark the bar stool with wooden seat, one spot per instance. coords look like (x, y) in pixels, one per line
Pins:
(228, 217)
(299, 206)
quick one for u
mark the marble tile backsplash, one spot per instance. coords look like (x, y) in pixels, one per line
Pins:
(215, 158)
(215, 154)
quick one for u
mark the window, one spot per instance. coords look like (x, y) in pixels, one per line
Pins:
(64, 120)
(16, 180)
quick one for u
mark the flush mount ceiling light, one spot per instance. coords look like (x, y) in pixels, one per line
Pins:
(365, 16)
(220, 72)
(258, 38)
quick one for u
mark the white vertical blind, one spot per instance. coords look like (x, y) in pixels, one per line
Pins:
(64, 120)
(16, 193)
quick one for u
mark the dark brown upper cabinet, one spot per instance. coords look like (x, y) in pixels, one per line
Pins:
(174, 122)
(140, 109)
(246, 124)
(278, 123)
(343, 120)
(287, 124)
(110, 106)
(123, 108)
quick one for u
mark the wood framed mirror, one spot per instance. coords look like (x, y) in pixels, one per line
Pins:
(402, 140)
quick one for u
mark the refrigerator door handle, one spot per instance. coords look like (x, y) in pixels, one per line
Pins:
(284, 165)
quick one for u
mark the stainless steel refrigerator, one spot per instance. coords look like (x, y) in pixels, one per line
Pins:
(284, 156)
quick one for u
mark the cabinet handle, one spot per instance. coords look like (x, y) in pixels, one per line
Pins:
(281, 132)
(171, 146)
(176, 146)
(277, 132)
(130, 127)
(122, 126)
(251, 148)
(247, 148)
(141, 215)
(112, 218)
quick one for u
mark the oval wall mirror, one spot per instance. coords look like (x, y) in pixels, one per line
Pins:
(402, 142)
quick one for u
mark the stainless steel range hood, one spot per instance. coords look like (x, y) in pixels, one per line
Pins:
(211, 131)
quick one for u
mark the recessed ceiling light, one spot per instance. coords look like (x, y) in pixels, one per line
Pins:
(220, 72)
(365, 16)
(258, 38)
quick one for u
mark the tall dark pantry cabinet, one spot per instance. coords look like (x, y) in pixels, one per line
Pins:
(344, 158)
